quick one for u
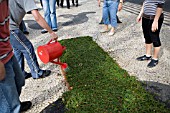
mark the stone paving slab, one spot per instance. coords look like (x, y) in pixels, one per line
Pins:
(126, 44)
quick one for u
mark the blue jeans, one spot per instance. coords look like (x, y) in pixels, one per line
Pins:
(24, 48)
(110, 8)
(10, 87)
(49, 7)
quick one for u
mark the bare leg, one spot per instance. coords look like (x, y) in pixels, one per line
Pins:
(112, 30)
(156, 52)
(106, 27)
(148, 49)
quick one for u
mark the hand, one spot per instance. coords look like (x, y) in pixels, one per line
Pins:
(54, 36)
(2, 71)
(154, 26)
(138, 19)
(120, 7)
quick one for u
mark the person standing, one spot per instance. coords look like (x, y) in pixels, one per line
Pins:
(11, 76)
(152, 18)
(20, 43)
(110, 8)
(74, 3)
(58, 2)
(68, 3)
(49, 7)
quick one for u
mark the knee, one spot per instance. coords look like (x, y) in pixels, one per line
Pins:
(46, 13)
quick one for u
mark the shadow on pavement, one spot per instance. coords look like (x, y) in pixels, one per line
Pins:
(33, 24)
(161, 92)
(56, 107)
(76, 19)
(166, 6)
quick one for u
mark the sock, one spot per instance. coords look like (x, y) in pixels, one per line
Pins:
(155, 58)
(148, 55)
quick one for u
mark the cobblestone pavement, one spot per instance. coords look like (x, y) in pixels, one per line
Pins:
(124, 47)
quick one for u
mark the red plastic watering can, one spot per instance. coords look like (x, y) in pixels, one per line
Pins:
(51, 52)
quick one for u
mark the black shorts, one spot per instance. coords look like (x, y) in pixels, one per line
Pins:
(151, 37)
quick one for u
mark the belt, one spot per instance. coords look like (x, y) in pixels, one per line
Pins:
(4, 39)
(151, 17)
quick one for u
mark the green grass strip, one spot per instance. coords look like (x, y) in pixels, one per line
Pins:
(100, 85)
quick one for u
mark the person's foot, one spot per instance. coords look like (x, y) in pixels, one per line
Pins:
(68, 7)
(61, 5)
(143, 58)
(104, 30)
(26, 32)
(55, 29)
(119, 22)
(25, 106)
(45, 73)
(27, 75)
(77, 5)
(152, 63)
(101, 22)
(111, 33)
(44, 31)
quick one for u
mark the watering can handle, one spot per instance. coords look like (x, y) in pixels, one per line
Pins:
(50, 41)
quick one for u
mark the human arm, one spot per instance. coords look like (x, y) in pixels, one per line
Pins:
(120, 5)
(155, 22)
(2, 71)
(138, 19)
(40, 20)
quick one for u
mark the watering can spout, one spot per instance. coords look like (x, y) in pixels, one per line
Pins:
(64, 48)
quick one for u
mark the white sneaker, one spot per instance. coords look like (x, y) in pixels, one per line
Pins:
(111, 33)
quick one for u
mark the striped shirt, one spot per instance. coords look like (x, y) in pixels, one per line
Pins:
(5, 46)
(150, 6)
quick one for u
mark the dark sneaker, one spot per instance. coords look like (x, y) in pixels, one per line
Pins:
(152, 63)
(44, 31)
(118, 21)
(77, 5)
(143, 58)
(26, 32)
(25, 106)
(61, 5)
(45, 73)
(55, 29)
(101, 22)
(27, 75)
